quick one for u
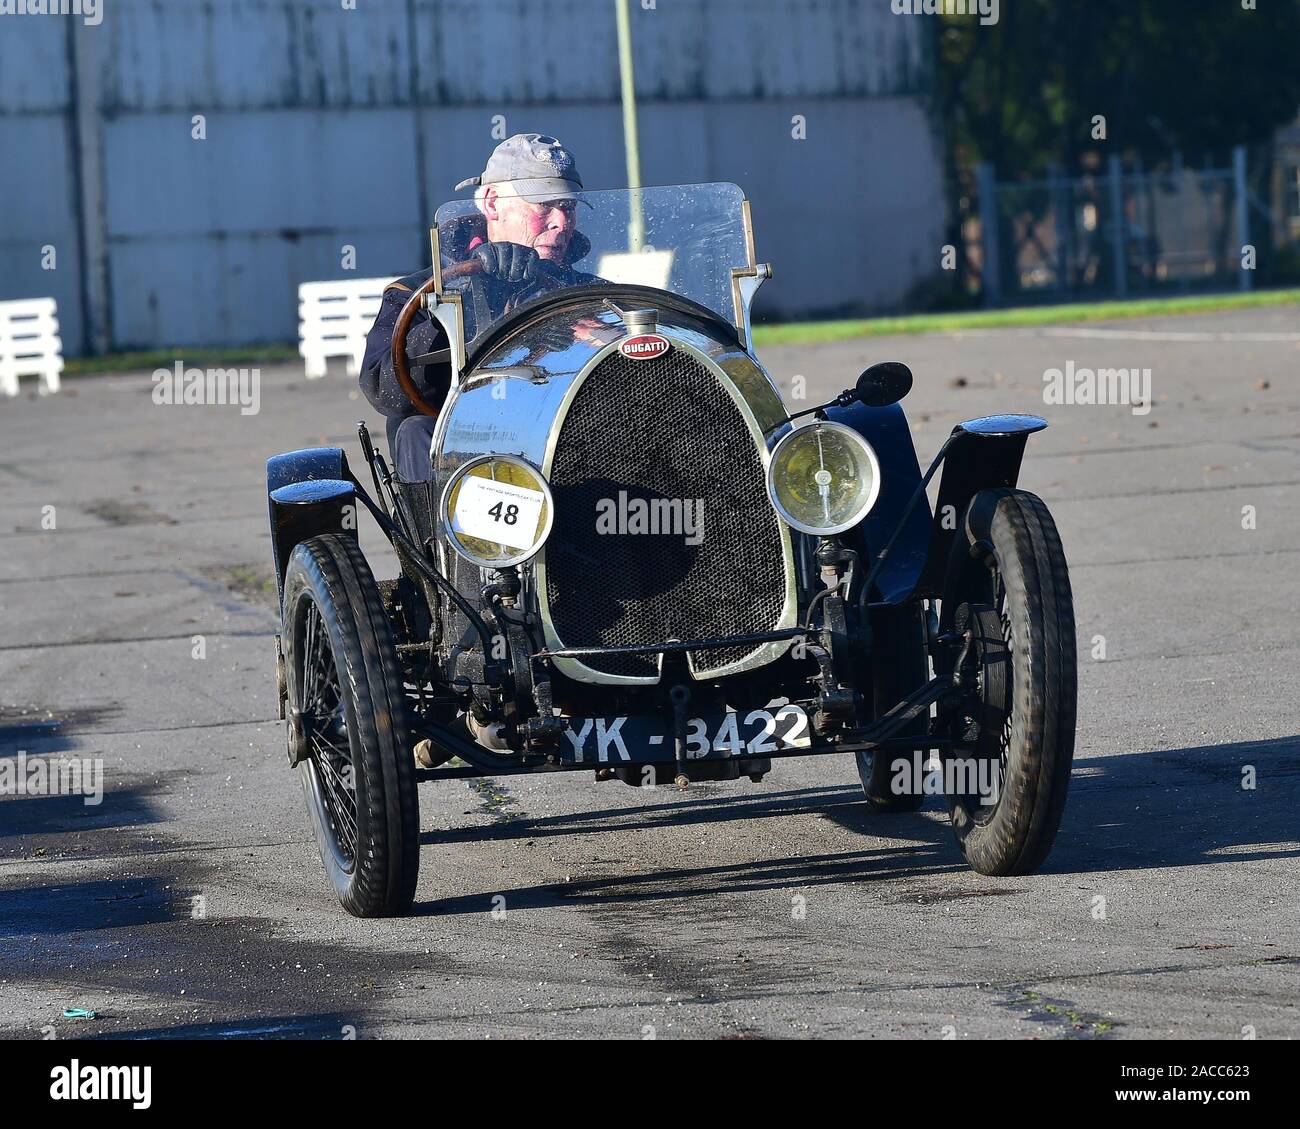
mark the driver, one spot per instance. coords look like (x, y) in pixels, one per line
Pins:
(524, 228)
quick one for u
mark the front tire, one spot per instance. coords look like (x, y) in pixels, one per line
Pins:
(1016, 602)
(347, 714)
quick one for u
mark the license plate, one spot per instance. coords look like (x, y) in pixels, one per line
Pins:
(719, 736)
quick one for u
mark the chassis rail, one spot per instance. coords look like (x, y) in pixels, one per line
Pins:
(879, 736)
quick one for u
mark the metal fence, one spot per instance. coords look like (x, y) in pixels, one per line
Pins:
(1122, 233)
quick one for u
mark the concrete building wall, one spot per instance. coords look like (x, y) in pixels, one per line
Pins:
(329, 127)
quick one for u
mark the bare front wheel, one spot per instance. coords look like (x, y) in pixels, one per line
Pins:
(1006, 782)
(346, 711)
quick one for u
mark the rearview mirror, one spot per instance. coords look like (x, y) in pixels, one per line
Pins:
(884, 383)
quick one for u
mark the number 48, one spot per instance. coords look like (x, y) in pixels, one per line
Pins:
(510, 516)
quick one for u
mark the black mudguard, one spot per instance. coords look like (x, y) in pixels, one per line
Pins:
(887, 431)
(309, 492)
(974, 463)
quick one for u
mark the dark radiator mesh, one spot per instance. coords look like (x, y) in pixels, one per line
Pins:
(660, 429)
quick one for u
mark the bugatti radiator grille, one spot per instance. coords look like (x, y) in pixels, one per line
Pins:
(648, 449)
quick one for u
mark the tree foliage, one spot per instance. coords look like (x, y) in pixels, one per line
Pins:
(1198, 76)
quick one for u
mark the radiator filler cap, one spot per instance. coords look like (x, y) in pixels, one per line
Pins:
(640, 321)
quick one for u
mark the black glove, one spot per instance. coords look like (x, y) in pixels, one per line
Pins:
(510, 262)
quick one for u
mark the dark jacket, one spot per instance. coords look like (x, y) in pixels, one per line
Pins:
(378, 379)
(484, 300)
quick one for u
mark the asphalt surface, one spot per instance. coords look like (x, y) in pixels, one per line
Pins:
(192, 900)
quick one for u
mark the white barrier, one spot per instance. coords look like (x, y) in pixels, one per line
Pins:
(333, 319)
(29, 344)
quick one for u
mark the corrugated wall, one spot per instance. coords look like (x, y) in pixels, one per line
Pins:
(328, 126)
(38, 169)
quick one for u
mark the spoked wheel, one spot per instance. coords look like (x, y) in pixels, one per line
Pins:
(1007, 782)
(327, 772)
(346, 711)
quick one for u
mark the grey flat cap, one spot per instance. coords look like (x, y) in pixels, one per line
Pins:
(537, 165)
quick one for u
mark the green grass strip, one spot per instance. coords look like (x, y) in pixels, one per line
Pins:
(791, 333)
(810, 332)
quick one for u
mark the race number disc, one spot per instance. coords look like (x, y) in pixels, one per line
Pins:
(498, 511)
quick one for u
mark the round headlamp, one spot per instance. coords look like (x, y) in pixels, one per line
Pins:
(497, 511)
(823, 478)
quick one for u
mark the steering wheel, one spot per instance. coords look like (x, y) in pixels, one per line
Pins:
(545, 279)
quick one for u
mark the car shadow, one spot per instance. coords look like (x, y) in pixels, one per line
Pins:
(55, 790)
(721, 803)
(154, 956)
(1147, 810)
(678, 883)
(35, 729)
(1181, 807)
(50, 823)
(316, 1025)
(62, 909)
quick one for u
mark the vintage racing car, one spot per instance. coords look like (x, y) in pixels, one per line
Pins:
(631, 559)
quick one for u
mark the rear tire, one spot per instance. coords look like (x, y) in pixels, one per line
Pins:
(903, 666)
(1019, 598)
(347, 710)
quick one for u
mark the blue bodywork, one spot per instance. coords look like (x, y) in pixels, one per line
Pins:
(978, 458)
(887, 431)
